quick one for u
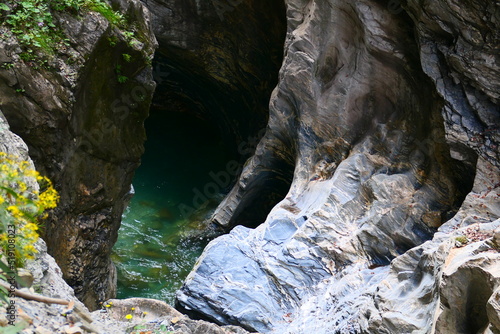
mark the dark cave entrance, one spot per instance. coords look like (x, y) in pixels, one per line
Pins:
(203, 125)
(191, 161)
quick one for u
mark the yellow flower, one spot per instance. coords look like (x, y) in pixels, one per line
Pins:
(128, 316)
(48, 199)
(29, 249)
(21, 206)
(133, 308)
(31, 226)
(14, 210)
(24, 165)
(31, 173)
(107, 305)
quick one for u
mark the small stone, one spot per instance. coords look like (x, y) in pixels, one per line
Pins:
(496, 238)
(73, 330)
(25, 278)
(3, 319)
(42, 330)
(23, 315)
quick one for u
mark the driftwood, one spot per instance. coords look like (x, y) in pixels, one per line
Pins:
(38, 298)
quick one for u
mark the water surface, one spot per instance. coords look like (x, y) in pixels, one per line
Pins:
(157, 245)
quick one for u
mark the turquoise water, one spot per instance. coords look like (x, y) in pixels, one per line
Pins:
(158, 241)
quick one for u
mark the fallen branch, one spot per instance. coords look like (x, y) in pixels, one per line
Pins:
(38, 298)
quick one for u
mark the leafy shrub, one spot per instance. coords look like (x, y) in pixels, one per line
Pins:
(33, 23)
(22, 209)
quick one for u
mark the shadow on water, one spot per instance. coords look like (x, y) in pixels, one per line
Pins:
(157, 245)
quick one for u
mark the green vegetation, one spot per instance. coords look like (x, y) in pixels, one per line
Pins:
(120, 77)
(7, 66)
(147, 328)
(462, 239)
(32, 22)
(21, 208)
(127, 57)
(21, 211)
(105, 10)
(113, 40)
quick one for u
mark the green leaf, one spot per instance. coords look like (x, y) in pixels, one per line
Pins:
(10, 191)
(4, 7)
(14, 329)
(6, 269)
(3, 294)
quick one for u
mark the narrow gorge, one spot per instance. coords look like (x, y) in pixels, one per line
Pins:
(315, 166)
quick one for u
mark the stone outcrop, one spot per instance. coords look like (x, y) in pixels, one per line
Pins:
(387, 117)
(459, 47)
(381, 149)
(84, 129)
(150, 315)
(13, 145)
(35, 317)
(470, 276)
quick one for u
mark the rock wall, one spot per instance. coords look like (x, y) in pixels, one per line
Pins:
(388, 118)
(85, 131)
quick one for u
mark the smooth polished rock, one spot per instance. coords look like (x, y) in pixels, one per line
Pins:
(380, 135)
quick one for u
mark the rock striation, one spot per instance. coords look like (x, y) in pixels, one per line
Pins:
(386, 116)
(81, 114)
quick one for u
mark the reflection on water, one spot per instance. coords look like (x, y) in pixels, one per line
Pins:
(157, 247)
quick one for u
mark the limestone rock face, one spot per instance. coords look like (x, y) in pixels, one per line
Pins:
(459, 47)
(85, 131)
(12, 144)
(470, 276)
(376, 115)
